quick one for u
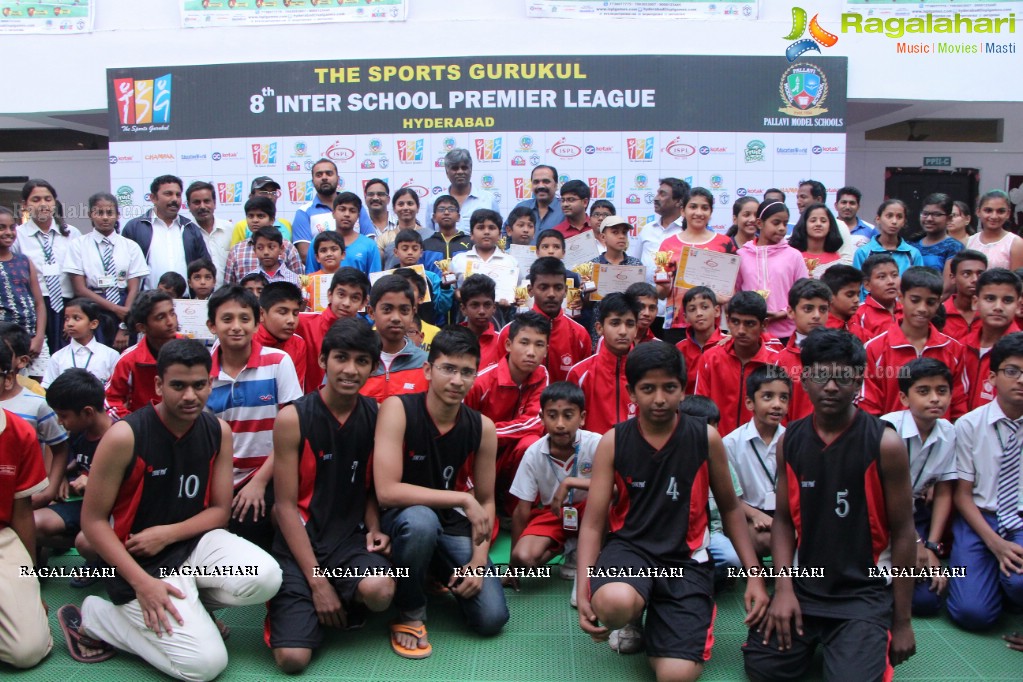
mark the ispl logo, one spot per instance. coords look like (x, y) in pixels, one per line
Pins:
(602, 188)
(229, 192)
(337, 152)
(564, 150)
(640, 148)
(418, 189)
(818, 36)
(301, 191)
(488, 149)
(264, 154)
(523, 188)
(143, 101)
(410, 151)
(679, 149)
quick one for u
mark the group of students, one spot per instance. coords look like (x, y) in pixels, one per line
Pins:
(330, 465)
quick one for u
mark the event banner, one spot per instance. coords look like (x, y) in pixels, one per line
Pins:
(204, 13)
(934, 9)
(653, 9)
(736, 125)
(54, 17)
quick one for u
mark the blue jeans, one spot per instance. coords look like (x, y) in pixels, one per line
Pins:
(723, 553)
(419, 543)
(975, 600)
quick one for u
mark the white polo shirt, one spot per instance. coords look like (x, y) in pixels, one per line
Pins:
(85, 257)
(979, 451)
(539, 474)
(755, 463)
(930, 461)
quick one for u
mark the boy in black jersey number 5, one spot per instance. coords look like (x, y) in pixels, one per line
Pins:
(663, 464)
(844, 507)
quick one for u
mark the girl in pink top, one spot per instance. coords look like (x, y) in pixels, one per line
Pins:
(1002, 248)
(697, 212)
(770, 267)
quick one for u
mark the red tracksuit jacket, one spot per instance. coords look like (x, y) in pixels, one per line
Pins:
(295, 347)
(569, 344)
(799, 402)
(874, 318)
(596, 375)
(490, 350)
(891, 350)
(979, 390)
(692, 352)
(313, 327)
(132, 385)
(852, 326)
(955, 324)
(722, 378)
(405, 375)
(514, 408)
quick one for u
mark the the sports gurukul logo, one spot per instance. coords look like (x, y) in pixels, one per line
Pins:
(143, 104)
(818, 36)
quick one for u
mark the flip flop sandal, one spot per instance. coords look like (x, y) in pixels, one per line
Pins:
(70, 619)
(417, 632)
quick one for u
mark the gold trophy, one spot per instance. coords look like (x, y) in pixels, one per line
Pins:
(447, 278)
(585, 271)
(811, 264)
(502, 243)
(522, 294)
(574, 299)
(661, 260)
(764, 293)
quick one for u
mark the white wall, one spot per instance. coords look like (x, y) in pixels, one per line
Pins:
(67, 73)
(866, 160)
(75, 174)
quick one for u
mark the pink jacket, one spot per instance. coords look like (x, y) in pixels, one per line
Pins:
(773, 269)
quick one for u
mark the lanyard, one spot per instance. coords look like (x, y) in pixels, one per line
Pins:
(575, 472)
(74, 363)
(772, 479)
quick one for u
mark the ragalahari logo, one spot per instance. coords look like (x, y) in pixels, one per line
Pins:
(818, 36)
(144, 101)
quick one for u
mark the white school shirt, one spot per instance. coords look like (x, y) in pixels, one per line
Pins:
(166, 250)
(742, 447)
(459, 261)
(96, 358)
(539, 474)
(218, 244)
(29, 244)
(931, 461)
(85, 257)
(979, 451)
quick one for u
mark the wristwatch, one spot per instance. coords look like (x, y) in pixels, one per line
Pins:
(122, 326)
(935, 547)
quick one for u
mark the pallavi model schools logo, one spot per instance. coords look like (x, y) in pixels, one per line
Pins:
(143, 105)
(803, 89)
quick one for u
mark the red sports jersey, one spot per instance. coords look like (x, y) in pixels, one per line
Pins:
(295, 347)
(596, 375)
(313, 327)
(490, 350)
(514, 408)
(874, 318)
(569, 344)
(692, 351)
(890, 351)
(979, 389)
(21, 468)
(799, 402)
(722, 378)
(132, 385)
(955, 324)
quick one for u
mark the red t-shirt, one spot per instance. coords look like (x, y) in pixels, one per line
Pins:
(21, 464)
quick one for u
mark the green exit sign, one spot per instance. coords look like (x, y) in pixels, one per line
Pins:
(937, 161)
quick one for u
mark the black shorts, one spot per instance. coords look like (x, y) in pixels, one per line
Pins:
(291, 617)
(679, 611)
(70, 513)
(854, 650)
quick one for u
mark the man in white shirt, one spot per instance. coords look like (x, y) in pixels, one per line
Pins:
(216, 232)
(671, 196)
(458, 166)
(169, 241)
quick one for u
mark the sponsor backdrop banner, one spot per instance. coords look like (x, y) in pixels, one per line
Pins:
(54, 17)
(684, 9)
(947, 8)
(203, 13)
(736, 125)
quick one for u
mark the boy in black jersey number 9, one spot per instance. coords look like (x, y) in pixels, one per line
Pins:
(844, 503)
(662, 464)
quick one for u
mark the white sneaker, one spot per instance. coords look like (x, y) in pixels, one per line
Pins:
(572, 599)
(628, 640)
(568, 565)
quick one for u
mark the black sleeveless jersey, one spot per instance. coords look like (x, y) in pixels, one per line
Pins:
(432, 460)
(166, 482)
(333, 472)
(837, 504)
(662, 495)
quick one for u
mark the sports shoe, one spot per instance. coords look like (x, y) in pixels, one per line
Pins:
(628, 640)
(572, 599)
(567, 568)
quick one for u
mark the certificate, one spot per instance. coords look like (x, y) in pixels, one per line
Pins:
(524, 256)
(505, 276)
(419, 270)
(700, 267)
(616, 278)
(319, 292)
(581, 248)
(192, 318)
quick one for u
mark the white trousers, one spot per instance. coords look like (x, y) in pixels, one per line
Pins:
(24, 631)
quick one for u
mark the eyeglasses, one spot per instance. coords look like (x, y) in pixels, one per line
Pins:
(1011, 372)
(842, 380)
(445, 209)
(376, 194)
(450, 371)
(932, 214)
(274, 193)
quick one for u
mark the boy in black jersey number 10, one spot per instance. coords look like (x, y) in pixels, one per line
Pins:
(845, 512)
(663, 465)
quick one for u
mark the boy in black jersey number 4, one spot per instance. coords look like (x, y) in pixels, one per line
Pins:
(327, 516)
(663, 465)
(844, 505)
